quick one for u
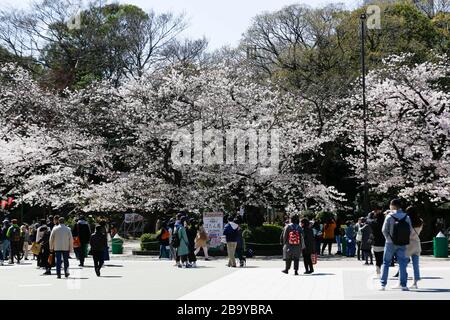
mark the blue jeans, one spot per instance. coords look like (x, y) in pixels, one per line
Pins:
(415, 263)
(65, 256)
(389, 250)
(338, 241)
(6, 248)
(351, 248)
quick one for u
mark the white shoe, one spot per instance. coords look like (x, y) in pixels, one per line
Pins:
(414, 286)
(382, 288)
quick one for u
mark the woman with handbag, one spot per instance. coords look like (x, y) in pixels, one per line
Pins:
(46, 259)
(414, 249)
(201, 241)
(310, 247)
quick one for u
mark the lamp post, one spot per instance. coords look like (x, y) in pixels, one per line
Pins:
(363, 73)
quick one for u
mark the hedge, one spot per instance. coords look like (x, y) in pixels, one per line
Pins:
(149, 242)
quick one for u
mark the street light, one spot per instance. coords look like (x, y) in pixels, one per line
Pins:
(363, 73)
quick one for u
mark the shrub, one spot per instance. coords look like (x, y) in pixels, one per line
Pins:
(324, 216)
(149, 242)
(268, 233)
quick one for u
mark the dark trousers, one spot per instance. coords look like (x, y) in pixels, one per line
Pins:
(15, 251)
(366, 255)
(191, 256)
(62, 255)
(379, 258)
(183, 258)
(326, 242)
(307, 261)
(79, 252)
(358, 250)
(240, 254)
(289, 262)
(98, 259)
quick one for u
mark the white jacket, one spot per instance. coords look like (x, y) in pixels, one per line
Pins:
(61, 238)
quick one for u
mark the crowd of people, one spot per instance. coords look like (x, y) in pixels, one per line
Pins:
(182, 238)
(386, 237)
(51, 241)
(391, 236)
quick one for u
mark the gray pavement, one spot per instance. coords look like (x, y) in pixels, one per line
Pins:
(126, 277)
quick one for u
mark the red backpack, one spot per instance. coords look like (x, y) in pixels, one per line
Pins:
(294, 236)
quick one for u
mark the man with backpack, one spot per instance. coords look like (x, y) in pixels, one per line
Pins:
(397, 230)
(293, 244)
(15, 237)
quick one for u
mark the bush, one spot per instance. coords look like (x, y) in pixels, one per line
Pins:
(324, 216)
(149, 242)
(268, 233)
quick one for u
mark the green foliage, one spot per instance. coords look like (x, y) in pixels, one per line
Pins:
(324, 216)
(268, 233)
(149, 242)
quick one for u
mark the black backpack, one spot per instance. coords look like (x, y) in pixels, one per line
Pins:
(15, 234)
(402, 231)
(175, 239)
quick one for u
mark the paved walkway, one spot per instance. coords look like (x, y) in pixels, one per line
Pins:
(148, 278)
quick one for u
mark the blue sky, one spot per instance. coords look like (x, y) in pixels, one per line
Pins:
(222, 22)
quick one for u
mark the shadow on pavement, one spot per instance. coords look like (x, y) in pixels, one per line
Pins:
(111, 277)
(113, 265)
(319, 274)
(432, 278)
(431, 290)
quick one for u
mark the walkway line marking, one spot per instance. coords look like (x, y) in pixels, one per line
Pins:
(35, 285)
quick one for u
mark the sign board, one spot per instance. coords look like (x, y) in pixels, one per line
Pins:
(133, 217)
(213, 224)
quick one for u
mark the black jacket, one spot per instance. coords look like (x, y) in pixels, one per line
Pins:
(377, 225)
(82, 231)
(98, 241)
(308, 237)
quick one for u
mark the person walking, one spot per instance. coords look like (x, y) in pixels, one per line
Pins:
(379, 241)
(397, 232)
(15, 237)
(318, 235)
(366, 242)
(292, 240)
(358, 227)
(240, 245)
(44, 241)
(231, 236)
(171, 228)
(309, 247)
(350, 239)
(39, 234)
(163, 238)
(81, 234)
(61, 243)
(183, 248)
(337, 236)
(328, 235)
(192, 233)
(6, 245)
(98, 241)
(414, 249)
(26, 240)
(201, 241)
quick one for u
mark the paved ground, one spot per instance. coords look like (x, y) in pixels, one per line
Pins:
(147, 278)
